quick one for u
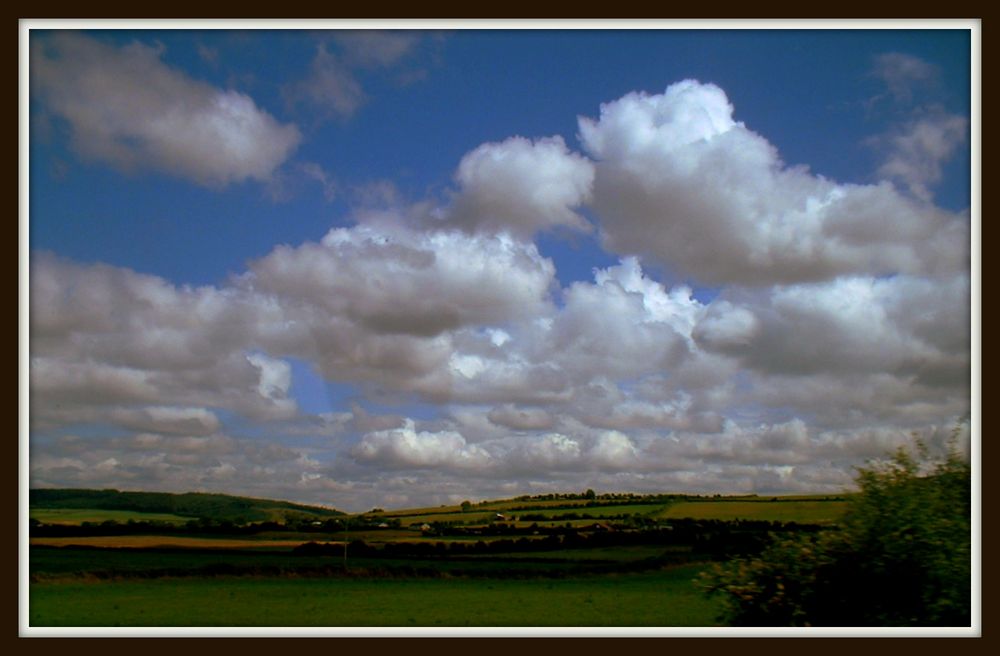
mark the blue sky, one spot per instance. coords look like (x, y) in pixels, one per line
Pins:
(386, 267)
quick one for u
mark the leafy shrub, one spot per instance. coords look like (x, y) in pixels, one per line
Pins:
(900, 557)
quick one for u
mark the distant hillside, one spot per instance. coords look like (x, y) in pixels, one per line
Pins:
(196, 505)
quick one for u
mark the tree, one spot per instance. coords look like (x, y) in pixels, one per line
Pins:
(900, 557)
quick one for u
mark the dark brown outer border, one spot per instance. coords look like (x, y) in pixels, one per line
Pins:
(602, 16)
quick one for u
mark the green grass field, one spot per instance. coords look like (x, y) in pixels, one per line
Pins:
(803, 511)
(486, 508)
(597, 511)
(78, 516)
(512, 505)
(624, 554)
(443, 516)
(659, 598)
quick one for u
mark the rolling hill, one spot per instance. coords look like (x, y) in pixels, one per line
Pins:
(195, 505)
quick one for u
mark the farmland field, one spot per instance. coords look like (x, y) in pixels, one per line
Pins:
(593, 511)
(803, 511)
(661, 598)
(607, 554)
(76, 516)
(446, 516)
(489, 507)
(566, 561)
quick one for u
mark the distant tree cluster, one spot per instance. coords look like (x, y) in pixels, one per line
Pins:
(632, 498)
(707, 538)
(200, 526)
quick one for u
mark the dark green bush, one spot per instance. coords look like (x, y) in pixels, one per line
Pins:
(900, 557)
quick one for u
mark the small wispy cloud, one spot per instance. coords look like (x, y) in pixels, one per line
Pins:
(333, 88)
(918, 150)
(903, 74)
(317, 173)
(925, 136)
(376, 48)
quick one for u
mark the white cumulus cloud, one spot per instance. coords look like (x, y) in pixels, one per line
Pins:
(406, 447)
(521, 186)
(680, 181)
(126, 108)
(396, 281)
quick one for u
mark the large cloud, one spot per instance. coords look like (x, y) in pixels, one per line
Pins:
(622, 326)
(395, 281)
(367, 305)
(173, 463)
(108, 344)
(680, 181)
(78, 308)
(384, 305)
(125, 107)
(521, 186)
(903, 325)
(854, 351)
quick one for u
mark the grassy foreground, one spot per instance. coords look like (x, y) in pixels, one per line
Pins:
(658, 598)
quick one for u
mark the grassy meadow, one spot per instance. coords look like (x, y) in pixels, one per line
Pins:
(662, 598)
(77, 516)
(802, 511)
